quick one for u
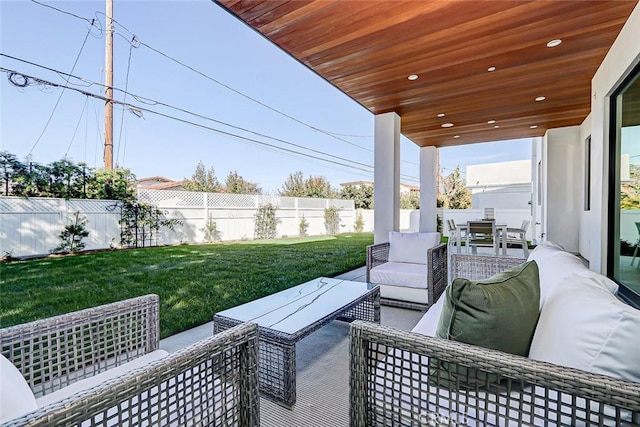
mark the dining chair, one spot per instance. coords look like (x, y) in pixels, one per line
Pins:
(481, 233)
(635, 251)
(489, 214)
(518, 236)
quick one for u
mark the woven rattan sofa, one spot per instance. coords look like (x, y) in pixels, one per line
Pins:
(416, 284)
(114, 348)
(405, 378)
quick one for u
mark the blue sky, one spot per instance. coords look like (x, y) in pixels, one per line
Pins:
(203, 36)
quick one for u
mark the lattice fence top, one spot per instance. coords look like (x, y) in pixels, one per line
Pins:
(166, 198)
(221, 200)
(342, 204)
(53, 205)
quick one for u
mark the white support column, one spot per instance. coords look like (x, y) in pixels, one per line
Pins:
(386, 215)
(428, 188)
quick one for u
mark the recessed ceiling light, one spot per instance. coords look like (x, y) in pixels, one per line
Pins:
(413, 77)
(441, 115)
(447, 125)
(491, 122)
(490, 69)
(456, 136)
(554, 43)
(533, 126)
(541, 98)
(496, 126)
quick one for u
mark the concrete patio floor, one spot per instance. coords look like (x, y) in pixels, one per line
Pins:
(322, 361)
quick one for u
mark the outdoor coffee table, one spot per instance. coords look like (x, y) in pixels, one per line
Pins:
(286, 317)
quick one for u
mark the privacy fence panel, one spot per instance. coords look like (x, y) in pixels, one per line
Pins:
(234, 214)
(31, 226)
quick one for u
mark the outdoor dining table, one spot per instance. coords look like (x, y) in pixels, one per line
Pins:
(502, 233)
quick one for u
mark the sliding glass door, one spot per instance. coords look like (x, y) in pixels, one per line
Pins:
(624, 224)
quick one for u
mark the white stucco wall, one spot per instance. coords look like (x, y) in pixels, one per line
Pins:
(623, 56)
(563, 199)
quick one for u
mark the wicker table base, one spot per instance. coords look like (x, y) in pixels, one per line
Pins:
(277, 349)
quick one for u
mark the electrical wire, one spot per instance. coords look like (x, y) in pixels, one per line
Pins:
(197, 125)
(61, 93)
(77, 126)
(126, 86)
(154, 102)
(334, 135)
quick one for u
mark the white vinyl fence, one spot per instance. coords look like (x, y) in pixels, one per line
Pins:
(234, 214)
(32, 226)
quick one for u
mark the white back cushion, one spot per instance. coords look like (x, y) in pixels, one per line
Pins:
(411, 247)
(583, 325)
(554, 264)
(16, 397)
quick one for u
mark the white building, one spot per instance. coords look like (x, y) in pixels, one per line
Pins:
(504, 185)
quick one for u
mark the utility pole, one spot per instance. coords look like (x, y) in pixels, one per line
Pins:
(108, 110)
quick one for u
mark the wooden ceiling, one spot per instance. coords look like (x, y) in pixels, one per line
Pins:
(368, 49)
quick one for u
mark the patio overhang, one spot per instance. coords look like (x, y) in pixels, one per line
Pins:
(368, 49)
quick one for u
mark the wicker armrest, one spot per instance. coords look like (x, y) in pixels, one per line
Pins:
(54, 352)
(376, 255)
(437, 276)
(212, 382)
(404, 378)
(477, 267)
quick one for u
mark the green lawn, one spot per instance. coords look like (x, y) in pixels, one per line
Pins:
(193, 281)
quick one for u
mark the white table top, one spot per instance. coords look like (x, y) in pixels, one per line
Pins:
(295, 308)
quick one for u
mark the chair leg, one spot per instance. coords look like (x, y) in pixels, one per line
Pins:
(525, 247)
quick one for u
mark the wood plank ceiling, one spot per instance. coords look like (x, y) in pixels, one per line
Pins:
(369, 48)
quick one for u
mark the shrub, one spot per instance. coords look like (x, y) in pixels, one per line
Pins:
(72, 235)
(358, 226)
(332, 220)
(211, 232)
(266, 223)
(303, 227)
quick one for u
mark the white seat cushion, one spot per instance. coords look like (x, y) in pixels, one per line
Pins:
(16, 397)
(93, 381)
(400, 274)
(411, 247)
(584, 326)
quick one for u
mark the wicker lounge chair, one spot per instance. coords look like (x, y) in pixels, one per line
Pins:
(432, 272)
(212, 382)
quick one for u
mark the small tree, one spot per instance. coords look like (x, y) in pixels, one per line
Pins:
(72, 235)
(203, 180)
(362, 195)
(211, 232)
(236, 184)
(332, 220)
(454, 193)
(303, 227)
(266, 223)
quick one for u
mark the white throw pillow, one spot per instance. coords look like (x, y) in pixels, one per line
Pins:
(583, 325)
(16, 397)
(411, 247)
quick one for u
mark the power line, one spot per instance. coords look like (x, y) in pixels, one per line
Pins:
(167, 56)
(86, 101)
(27, 78)
(154, 102)
(61, 93)
(126, 86)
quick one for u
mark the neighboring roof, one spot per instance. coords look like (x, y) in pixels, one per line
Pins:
(173, 185)
(153, 180)
(367, 49)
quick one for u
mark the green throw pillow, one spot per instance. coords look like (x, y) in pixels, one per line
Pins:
(500, 313)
